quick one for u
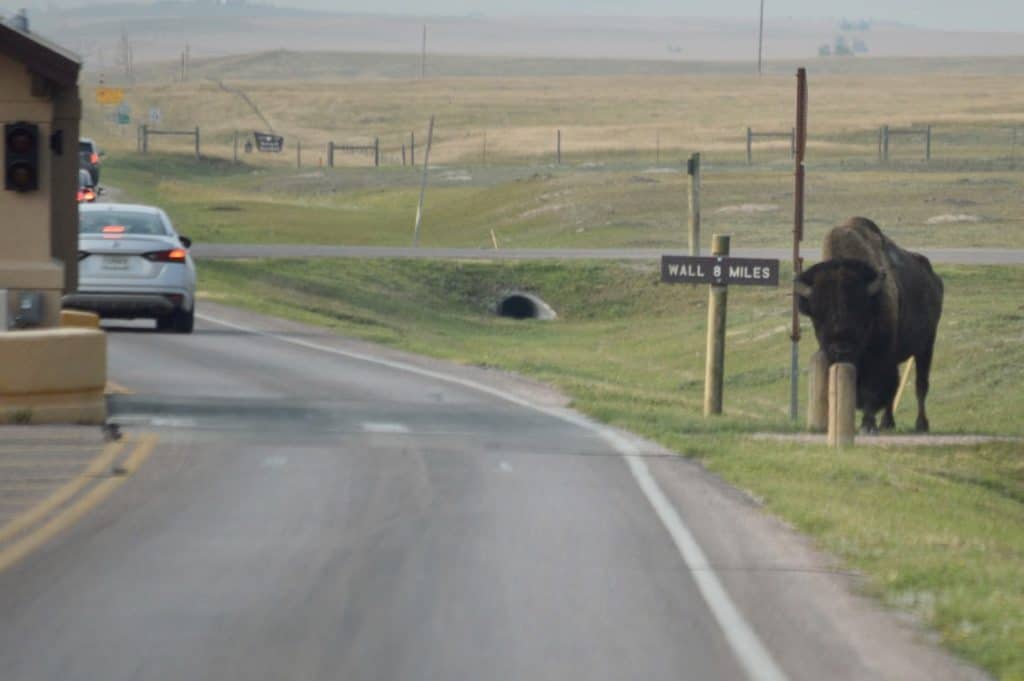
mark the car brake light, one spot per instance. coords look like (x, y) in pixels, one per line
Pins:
(172, 255)
(94, 158)
(113, 229)
(87, 195)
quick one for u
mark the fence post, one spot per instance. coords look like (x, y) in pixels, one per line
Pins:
(403, 154)
(693, 170)
(197, 142)
(376, 152)
(885, 143)
(928, 143)
(558, 147)
(145, 138)
(842, 404)
(330, 154)
(750, 137)
(714, 368)
(817, 393)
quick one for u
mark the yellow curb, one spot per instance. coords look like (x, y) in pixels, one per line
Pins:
(73, 513)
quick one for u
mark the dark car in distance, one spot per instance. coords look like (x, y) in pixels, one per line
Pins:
(89, 158)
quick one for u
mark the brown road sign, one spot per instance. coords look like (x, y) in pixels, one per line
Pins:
(720, 271)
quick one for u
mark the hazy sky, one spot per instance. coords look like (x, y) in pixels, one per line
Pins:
(995, 15)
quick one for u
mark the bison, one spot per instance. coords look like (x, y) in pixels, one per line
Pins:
(873, 305)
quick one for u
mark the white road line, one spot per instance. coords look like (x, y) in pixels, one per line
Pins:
(371, 427)
(750, 652)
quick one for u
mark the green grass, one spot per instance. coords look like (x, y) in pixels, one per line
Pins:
(936, 531)
(620, 203)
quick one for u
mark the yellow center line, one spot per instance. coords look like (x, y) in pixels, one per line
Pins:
(117, 389)
(73, 513)
(101, 463)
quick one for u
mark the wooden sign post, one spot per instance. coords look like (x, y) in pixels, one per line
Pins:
(718, 270)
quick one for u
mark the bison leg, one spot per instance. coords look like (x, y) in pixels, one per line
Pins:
(922, 369)
(867, 424)
(888, 422)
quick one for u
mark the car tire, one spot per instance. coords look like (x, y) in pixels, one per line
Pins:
(182, 321)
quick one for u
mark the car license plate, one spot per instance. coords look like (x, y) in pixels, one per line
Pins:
(116, 262)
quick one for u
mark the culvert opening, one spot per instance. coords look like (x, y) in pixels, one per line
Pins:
(524, 306)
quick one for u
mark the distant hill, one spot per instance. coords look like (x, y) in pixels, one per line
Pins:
(161, 31)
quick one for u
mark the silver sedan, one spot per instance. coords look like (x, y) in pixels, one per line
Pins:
(131, 264)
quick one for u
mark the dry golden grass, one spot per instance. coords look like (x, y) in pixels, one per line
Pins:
(597, 115)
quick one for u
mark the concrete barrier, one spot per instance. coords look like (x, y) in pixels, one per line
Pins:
(79, 319)
(53, 376)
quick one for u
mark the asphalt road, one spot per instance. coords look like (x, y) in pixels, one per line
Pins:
(945, 256)
(319, 509)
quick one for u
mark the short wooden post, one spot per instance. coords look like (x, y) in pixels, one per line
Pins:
(842, 404)
(817, 393)
(879, 144)
(885, 143)
(558, 148)
(376, 152)
(145, 138)
(750, 141)
(197, 141)
(928, 143)
(234, 146)
(403, 154)
(714, 369)
(693, 170)
(330, 154)
(298, 153)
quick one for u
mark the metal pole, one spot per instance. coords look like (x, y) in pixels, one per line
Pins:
(760, 40)
(750, 157)
(928, 144)
(145, 138)
(714, 368)
(330, 154)
(376, 152)
(693, 170)
(423, 184)
(798, 235)
(423, 55)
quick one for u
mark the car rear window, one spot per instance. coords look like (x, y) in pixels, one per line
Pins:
(93, 222)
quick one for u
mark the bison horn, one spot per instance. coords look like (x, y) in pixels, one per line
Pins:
(801, 288)
(876, 284)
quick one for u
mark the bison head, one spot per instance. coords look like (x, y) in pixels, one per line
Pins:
(842, 299)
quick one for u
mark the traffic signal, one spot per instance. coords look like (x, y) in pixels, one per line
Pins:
(21, 156)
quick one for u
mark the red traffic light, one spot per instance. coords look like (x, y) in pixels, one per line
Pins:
(21, 156)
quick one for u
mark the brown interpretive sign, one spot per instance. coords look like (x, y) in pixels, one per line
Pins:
(719, 271)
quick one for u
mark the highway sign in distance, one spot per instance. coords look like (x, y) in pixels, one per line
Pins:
(154, 115)
(109, 95)
(719, 270)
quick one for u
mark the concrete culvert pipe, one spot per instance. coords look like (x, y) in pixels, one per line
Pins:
(520, 305)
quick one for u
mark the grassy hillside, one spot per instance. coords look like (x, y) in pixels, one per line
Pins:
(619, 203)
(936, 531)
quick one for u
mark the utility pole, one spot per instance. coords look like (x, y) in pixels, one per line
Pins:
(423, 55)
(760, 41)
